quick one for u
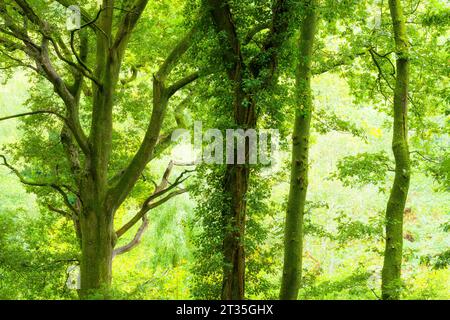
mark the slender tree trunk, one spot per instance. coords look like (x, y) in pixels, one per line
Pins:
(293, 238)
(233, 286)
(391, 281)
(236, 182)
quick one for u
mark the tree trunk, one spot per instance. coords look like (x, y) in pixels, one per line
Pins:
(391, 281)
(97, 240)
(293, 238)
(96, 254)
(236, 181)
(233, 286)
(263, 67)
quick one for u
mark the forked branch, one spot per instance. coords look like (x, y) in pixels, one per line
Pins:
(164, 188)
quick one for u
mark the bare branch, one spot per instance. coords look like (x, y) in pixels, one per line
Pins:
(380, 70)
(145, 210)
(335, 63)
(426, 158)
(44, 29)
(80, 61)
(386, 57)
(40, 55)
(163, 188)
(59, 211)
(136, 239)
(79, 67)
(19, 62)
(38, 112)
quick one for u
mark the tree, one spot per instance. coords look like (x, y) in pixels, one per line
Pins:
(28, 39)
(399, 192)
(293, 239)
(412, 87)
(260, 67)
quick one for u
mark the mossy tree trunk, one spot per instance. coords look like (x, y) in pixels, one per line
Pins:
(391, 273)
(97, 246)
(293, 237)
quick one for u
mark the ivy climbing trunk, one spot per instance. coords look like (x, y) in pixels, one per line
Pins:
(263, 67)
(236, 182)
(391, 274)
(293, 237)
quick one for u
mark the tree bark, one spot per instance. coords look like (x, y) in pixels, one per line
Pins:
(96, 254)
(236, 182)
(391, 273)
(293, 238)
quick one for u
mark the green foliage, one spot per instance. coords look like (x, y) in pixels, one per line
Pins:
(326, 122)
(363, 168)
(207, 228)
(36, 252)
(353, 285)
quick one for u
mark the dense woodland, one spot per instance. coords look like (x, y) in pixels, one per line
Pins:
(97, 200)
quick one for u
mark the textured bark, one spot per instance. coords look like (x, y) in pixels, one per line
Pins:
(391, 273)
(293, 238)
